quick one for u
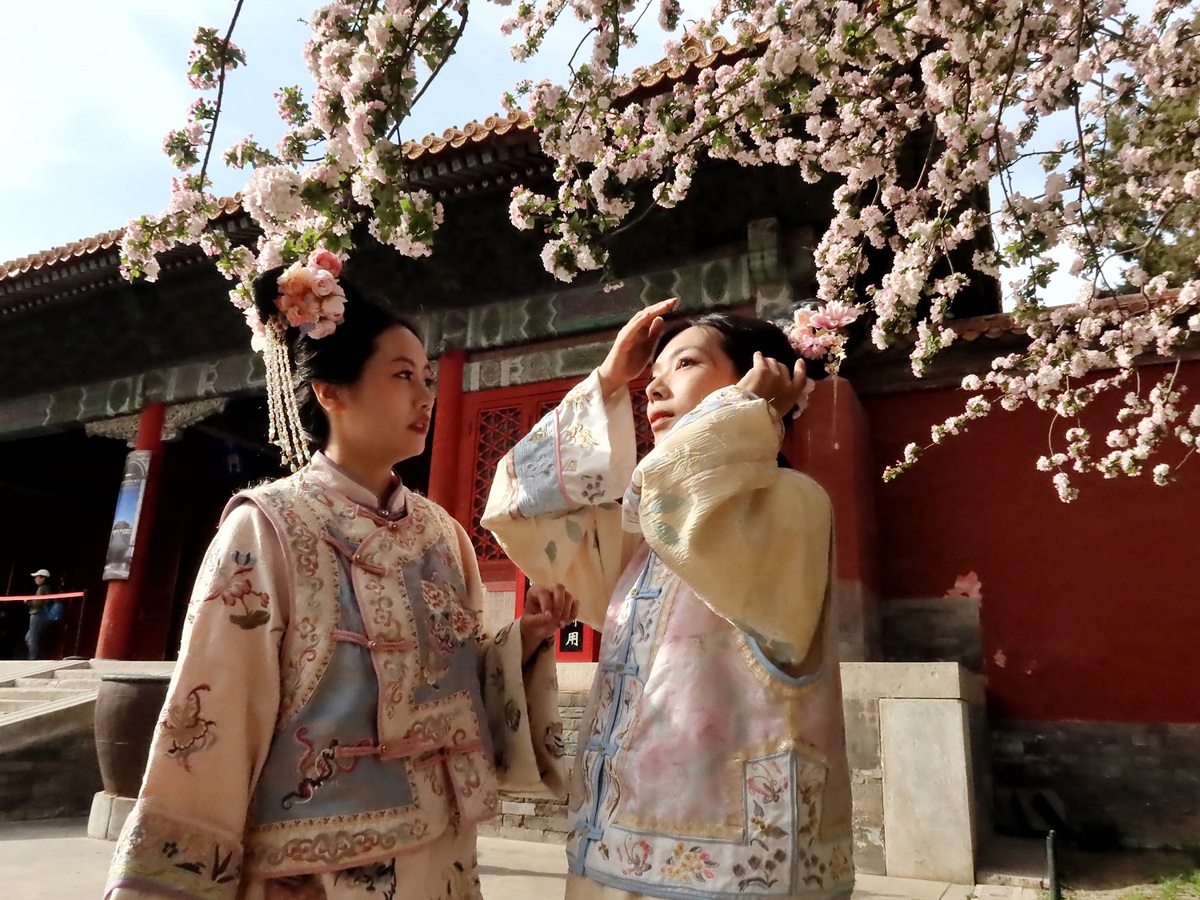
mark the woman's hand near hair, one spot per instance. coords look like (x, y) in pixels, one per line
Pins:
(547, 609)
(775, 383)
(633, 347)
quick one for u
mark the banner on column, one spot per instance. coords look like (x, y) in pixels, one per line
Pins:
(125, 520)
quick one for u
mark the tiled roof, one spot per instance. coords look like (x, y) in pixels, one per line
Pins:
(106, 240)
(472, 132)
(23, 264)
(698, 55)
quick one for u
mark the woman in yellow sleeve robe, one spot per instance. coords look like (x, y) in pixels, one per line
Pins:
(712, 755)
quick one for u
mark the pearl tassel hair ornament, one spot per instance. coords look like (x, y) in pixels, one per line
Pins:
(285, 430)
(311, 300)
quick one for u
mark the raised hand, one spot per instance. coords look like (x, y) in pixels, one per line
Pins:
(547, 609)
(633, 346)
(775, 382)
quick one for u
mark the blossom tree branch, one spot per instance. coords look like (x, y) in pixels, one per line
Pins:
(912, 109)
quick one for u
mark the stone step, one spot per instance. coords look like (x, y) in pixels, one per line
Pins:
(127, 667)
(77, 675)
(55, 684)
(38, 694)
(11, 706)
(37, 723)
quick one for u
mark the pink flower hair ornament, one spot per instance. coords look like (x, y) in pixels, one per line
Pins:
(310, 297)
(817, 332)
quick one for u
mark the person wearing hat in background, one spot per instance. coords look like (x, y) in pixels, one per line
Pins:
(39, 613)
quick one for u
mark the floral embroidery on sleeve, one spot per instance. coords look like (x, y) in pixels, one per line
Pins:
(580, 435)
(219, 870)
(553, 741)
(171, 857)
(188, 730)
(578, 397)
(233, 587)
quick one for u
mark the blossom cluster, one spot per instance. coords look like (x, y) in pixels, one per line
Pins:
(913, 110)
(918, 109)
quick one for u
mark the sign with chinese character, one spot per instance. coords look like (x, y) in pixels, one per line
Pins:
(570, 638)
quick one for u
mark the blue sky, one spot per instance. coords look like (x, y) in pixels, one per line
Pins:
(87, 91)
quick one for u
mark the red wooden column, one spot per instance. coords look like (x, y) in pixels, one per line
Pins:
(121, 603)
(830, 441)
(448, 431)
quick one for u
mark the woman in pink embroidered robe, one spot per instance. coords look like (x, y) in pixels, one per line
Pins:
(711, 758)
(337, 725)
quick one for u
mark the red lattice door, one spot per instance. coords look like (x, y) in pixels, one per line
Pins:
(641, 425)
(493, 433)
(496, 421)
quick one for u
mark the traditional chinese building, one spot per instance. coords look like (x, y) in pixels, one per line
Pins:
(1071, 625)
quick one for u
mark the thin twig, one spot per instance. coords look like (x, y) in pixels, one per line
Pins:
(212, 134)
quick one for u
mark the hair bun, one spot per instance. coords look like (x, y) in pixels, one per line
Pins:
(266, 290)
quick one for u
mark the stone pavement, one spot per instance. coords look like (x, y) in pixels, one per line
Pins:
(55, 860)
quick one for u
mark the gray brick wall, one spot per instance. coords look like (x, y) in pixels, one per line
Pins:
(945, 629)
(1133, 784)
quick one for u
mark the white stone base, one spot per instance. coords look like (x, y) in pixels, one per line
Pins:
(576, 677)
(108, 815)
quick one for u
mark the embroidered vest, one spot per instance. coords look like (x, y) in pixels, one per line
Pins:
(379, 743)
(703, 770)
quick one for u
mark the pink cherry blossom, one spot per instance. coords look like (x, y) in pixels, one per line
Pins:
(834, 315)
(967, 586)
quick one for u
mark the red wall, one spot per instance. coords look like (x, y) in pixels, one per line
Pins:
(1091, 610)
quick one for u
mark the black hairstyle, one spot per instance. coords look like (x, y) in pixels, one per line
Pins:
(337, 358)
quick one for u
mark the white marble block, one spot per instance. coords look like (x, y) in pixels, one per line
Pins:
(928, 794)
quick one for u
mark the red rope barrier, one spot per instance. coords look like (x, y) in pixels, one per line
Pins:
(70, 596)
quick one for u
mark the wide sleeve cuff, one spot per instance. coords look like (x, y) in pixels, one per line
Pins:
(160, 856)
(581, 453)
(182, 839)
(523, 718)
(730, 427)
(554, 506)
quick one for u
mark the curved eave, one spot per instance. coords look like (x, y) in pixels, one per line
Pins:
(86, 265)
